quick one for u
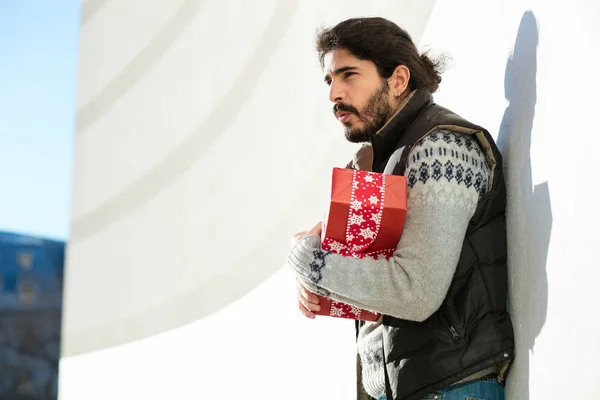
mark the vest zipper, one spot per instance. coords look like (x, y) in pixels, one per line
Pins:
(451, 328)
(454, 333)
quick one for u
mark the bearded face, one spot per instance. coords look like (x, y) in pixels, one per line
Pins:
(361, 96)
(369, 119)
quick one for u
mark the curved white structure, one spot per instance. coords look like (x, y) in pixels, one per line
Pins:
(205, 139)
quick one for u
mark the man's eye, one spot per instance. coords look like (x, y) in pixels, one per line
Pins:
(348, 74)
(328, 82)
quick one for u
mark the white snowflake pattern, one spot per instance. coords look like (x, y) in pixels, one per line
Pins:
(356, 311)
(356, 205)
(336, 246)
(369, 178)
(373, 200)
(356, 219)
(376, 218)
(367, 233)
(350, 237)
(355, 185)
(335, 311)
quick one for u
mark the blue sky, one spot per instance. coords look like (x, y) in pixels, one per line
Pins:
(38, 74)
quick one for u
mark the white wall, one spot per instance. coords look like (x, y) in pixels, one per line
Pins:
(204, 140)
(526, 71)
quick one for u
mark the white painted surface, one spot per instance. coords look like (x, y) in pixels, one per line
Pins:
(197, 159)
(540, 106)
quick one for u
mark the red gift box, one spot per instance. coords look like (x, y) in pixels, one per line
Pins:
(364, 218)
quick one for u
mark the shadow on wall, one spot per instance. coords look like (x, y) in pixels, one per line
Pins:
(529, 214)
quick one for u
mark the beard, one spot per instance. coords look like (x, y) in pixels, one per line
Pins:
(373, 116)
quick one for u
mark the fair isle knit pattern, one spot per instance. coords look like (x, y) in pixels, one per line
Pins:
(447, 173)
(451, 157)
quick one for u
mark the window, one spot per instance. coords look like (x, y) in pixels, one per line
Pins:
(26, 292)
(25, 260)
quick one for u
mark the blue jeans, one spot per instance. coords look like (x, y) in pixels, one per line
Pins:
(479, 390)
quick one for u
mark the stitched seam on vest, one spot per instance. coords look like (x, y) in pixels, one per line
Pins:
(477, 266)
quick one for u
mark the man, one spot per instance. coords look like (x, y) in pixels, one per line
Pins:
(445, 332)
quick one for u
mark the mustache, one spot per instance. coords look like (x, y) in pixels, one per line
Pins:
(344, 107)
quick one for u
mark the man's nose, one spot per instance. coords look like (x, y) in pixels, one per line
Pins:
(336, 94)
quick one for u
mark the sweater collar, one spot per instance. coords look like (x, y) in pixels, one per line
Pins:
(385, 140)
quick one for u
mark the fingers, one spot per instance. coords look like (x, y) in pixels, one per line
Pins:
(307, 301)
(316, 230)
(310, 297)
(305, 311)
(297, 237)
(306, 294)
(300, 234)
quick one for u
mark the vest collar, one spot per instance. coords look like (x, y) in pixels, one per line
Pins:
(385, 140)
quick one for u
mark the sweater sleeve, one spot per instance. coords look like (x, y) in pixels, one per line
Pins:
(447, 173)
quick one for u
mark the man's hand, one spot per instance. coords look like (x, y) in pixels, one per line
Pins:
(316, 230)
(297, 237)
(307, 301)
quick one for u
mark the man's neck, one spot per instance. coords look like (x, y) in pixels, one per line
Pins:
(399, 108)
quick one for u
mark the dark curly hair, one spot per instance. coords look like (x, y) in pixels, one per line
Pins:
(385, 44)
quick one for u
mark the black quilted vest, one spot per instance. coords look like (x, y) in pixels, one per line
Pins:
(472, 330)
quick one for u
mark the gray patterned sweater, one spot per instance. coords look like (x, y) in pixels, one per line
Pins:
(446, 173)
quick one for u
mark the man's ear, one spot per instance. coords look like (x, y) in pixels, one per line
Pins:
(399, 80)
